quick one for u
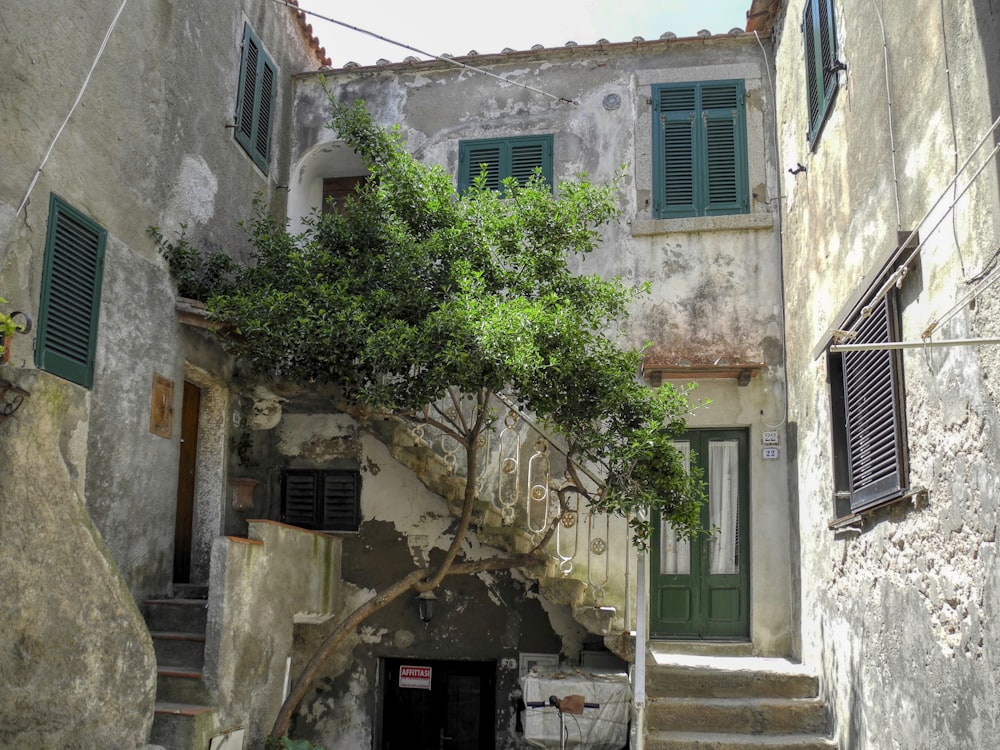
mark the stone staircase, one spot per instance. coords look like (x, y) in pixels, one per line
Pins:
(182, 718)
(703, 696)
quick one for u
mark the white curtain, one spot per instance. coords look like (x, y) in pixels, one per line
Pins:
(675, 554)
(723, 497)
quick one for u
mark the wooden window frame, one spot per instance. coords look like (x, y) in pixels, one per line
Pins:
(868, 415)
(819, 36)
(516, 156)
(69, 309)
(342, 486)
(700, 161)
(255, 100)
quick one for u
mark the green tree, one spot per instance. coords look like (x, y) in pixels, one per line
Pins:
(410, 293)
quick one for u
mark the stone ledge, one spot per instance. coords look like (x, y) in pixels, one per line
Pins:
(728, 223)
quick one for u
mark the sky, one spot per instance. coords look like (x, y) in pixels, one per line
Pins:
(457, 26)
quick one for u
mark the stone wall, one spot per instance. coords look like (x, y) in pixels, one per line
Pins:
(89, 497)
(899, 612)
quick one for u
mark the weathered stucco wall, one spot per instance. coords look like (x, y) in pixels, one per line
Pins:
(90, 493)
(900, 615)
(487, 617)
(716, 291)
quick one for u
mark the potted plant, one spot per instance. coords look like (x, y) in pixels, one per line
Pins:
(8, 327)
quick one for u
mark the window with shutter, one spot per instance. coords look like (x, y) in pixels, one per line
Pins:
(71, 294)
(821, 63)
(255, 99)
(321, 499)
(516, 157)
(868, 414)
(337, 189)
(699, 150)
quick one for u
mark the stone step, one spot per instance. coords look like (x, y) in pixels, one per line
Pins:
(181, 726)
(180, 684)
(698, 676)
(720, 741)
(189, 590)
(699, 648)
(738, 715)
(173, 647)
(176, 615)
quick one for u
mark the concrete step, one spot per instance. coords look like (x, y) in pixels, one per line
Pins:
(176, 615)
(179, 648)
(180, 684)
(719, 741)
(181, 726)
(699, 676)
(738, 715)
(699, 648)
(189, 590)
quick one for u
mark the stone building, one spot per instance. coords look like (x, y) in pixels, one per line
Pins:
(839, 190)
(889, 221)
(706, 240)
(117, 117)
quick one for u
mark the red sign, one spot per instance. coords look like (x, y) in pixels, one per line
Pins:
(415, 677)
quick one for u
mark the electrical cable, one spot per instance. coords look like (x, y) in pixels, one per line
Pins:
(426, 54)
(79, 96)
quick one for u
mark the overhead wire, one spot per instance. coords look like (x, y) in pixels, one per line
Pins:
(79, 96)
(418, 51)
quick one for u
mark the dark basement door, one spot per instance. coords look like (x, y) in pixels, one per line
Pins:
(453, 709)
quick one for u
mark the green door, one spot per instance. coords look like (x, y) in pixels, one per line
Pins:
(700, 588)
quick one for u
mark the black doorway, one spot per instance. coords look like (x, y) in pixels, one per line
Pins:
(450, 708)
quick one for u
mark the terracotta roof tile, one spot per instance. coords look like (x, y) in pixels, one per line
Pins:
(668, 36)
(307, 31)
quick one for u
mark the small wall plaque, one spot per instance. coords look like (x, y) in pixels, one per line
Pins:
(161, 407)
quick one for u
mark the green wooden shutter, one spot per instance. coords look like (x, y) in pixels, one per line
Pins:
(528, 154)
(723, 115)
(473, 155)
(71, 294)
(873, 398)
(255, 99)
(674, 151)
(699, 150)
(516, 157)
(820, 37)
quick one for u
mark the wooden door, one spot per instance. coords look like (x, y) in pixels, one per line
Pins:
(701, 588)
(186, 469)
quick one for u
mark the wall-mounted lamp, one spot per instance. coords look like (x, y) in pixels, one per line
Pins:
(425, 604)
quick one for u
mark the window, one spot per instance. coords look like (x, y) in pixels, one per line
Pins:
(71, 294)
(821, 63)
(516, 157)
(255, 99)
(321, 499)
(699, 150)
(336, 189)
(868, 414)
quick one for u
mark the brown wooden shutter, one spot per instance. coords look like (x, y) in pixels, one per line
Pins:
(321, 499)
(873, 396)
